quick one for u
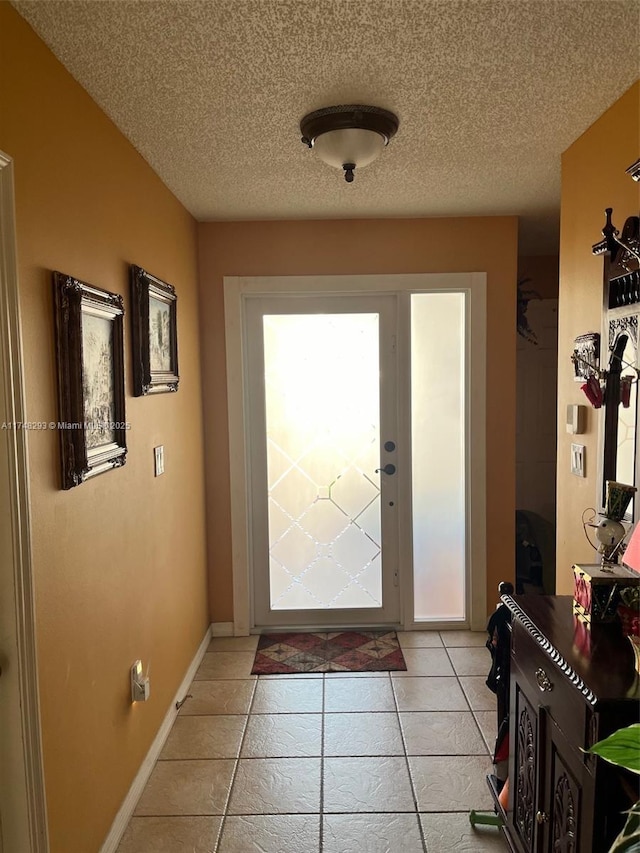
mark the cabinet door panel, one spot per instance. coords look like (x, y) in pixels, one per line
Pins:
(524, 766)
(567, 800)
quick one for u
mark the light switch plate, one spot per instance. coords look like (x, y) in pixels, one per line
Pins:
(158, 456)
(578, 452)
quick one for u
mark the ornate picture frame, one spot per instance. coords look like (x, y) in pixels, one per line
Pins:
(586, 356)
(154, 334)
(89, 335)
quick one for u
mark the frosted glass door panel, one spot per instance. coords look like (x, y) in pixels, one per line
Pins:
(438, 454)
(322, 411)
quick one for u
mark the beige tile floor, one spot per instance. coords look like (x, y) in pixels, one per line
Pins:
(340, 763)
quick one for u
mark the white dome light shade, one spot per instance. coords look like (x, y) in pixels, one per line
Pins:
(352, 145)
(348, 136)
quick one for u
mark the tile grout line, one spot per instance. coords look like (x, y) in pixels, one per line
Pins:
(235, 769)
(321, 805)
(457, 677)
(406, 758)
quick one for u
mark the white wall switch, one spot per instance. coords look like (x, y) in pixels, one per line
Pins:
(158, 456)
(578, 452)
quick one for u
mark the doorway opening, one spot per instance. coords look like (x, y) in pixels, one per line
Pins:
(357, 494)
(23, 818)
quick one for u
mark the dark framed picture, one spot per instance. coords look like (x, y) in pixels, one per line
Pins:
(154, 334)
(90, 357)
(586, 356)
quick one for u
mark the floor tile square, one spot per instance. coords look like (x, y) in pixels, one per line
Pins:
(276, 786)
(187, 788)
(429, 693)
(453, 639)
(451, 783)
(283, 736)
(362, 734)
(232, 696)
(442, 733)
(217, 736)
(285, 833)
(288, 696)
(367, 785)
(225, 665)
(454, 832)
(479, 696)
(358, 694)
(471, 661)
(425, 662)
(170, 835)
(419, 639)
(372, 833)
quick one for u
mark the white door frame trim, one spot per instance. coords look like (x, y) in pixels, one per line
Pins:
(235, 290)
(32, 828)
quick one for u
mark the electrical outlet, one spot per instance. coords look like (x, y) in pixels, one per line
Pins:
(578, 452)
(140, 687)
(158, 457)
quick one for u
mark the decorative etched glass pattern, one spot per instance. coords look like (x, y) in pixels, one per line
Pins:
(438, 454)
(322, 407)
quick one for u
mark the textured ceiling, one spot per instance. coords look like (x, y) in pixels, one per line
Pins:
(488, 92)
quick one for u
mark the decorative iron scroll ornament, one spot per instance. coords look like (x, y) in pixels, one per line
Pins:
(634, 170)
(616, 388)
(622, 260)
(525, 295)
(622, 288)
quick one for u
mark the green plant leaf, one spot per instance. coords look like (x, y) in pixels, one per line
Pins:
(621, 748)
(629, 839)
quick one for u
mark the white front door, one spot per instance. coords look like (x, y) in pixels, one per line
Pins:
(322, 385)
(329, 379)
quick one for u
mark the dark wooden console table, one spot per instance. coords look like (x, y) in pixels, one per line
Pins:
(570, 686)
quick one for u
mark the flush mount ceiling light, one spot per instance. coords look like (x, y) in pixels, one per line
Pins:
(348, 136)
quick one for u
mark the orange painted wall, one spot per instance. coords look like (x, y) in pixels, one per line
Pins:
(362, 247)
(593, 177)
(119, 562)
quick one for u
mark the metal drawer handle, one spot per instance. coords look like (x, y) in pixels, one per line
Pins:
(543, 681)
(542, 817)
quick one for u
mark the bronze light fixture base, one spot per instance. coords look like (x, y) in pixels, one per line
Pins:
(346, 117)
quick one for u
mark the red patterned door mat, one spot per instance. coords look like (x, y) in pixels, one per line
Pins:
(342, 651)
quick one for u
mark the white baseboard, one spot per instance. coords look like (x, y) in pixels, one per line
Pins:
(128, 806)
(222, 629)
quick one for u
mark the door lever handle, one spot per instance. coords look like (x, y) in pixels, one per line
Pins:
(388, 469)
